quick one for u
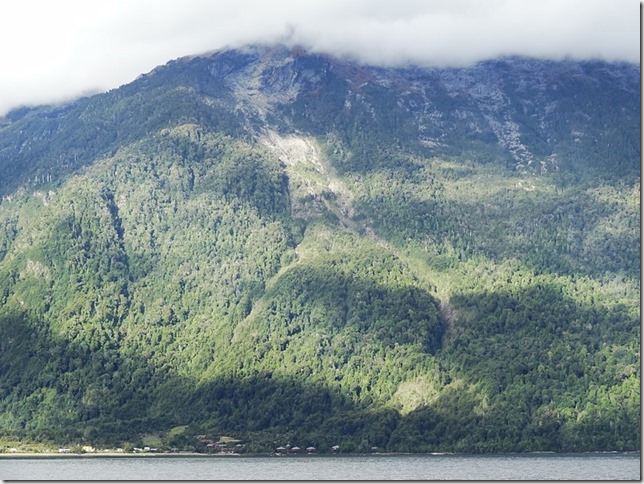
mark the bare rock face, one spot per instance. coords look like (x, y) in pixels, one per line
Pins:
(528, 113)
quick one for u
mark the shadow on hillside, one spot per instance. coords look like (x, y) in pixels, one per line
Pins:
(539, 372)
(58, 391)
(330, 298)
(526, 361)
(86, 390)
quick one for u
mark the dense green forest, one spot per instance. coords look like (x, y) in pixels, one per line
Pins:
(180, 270)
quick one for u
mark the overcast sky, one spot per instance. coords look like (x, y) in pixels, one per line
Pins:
(54, 50)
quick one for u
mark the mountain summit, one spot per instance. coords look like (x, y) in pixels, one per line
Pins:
(526, 112)
(285, 247)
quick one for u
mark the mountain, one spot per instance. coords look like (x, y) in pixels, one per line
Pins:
(283, 247)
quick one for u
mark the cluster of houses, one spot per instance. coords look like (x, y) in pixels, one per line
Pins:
(224, 446)
(221, 447)
(86, 449)
(297, 450)
(138, 450)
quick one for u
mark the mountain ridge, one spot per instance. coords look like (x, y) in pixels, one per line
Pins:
(268, 66)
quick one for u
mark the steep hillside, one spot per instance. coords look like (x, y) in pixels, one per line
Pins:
(285, 247)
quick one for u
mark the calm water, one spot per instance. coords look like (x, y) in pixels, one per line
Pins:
(373, 467)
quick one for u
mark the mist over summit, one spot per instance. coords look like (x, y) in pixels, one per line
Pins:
(62, 51)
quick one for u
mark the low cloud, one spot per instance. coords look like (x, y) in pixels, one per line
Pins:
(55, 51)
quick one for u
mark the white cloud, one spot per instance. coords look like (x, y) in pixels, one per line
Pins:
(56, 50)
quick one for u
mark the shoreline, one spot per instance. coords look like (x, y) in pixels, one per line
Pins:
(110, 454)
(50, 455)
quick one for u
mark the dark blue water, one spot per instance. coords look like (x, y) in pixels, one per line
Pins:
(373, 467)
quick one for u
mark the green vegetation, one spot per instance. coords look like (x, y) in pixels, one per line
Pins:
(181, 284)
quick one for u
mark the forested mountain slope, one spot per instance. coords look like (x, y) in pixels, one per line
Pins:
(285, 247)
